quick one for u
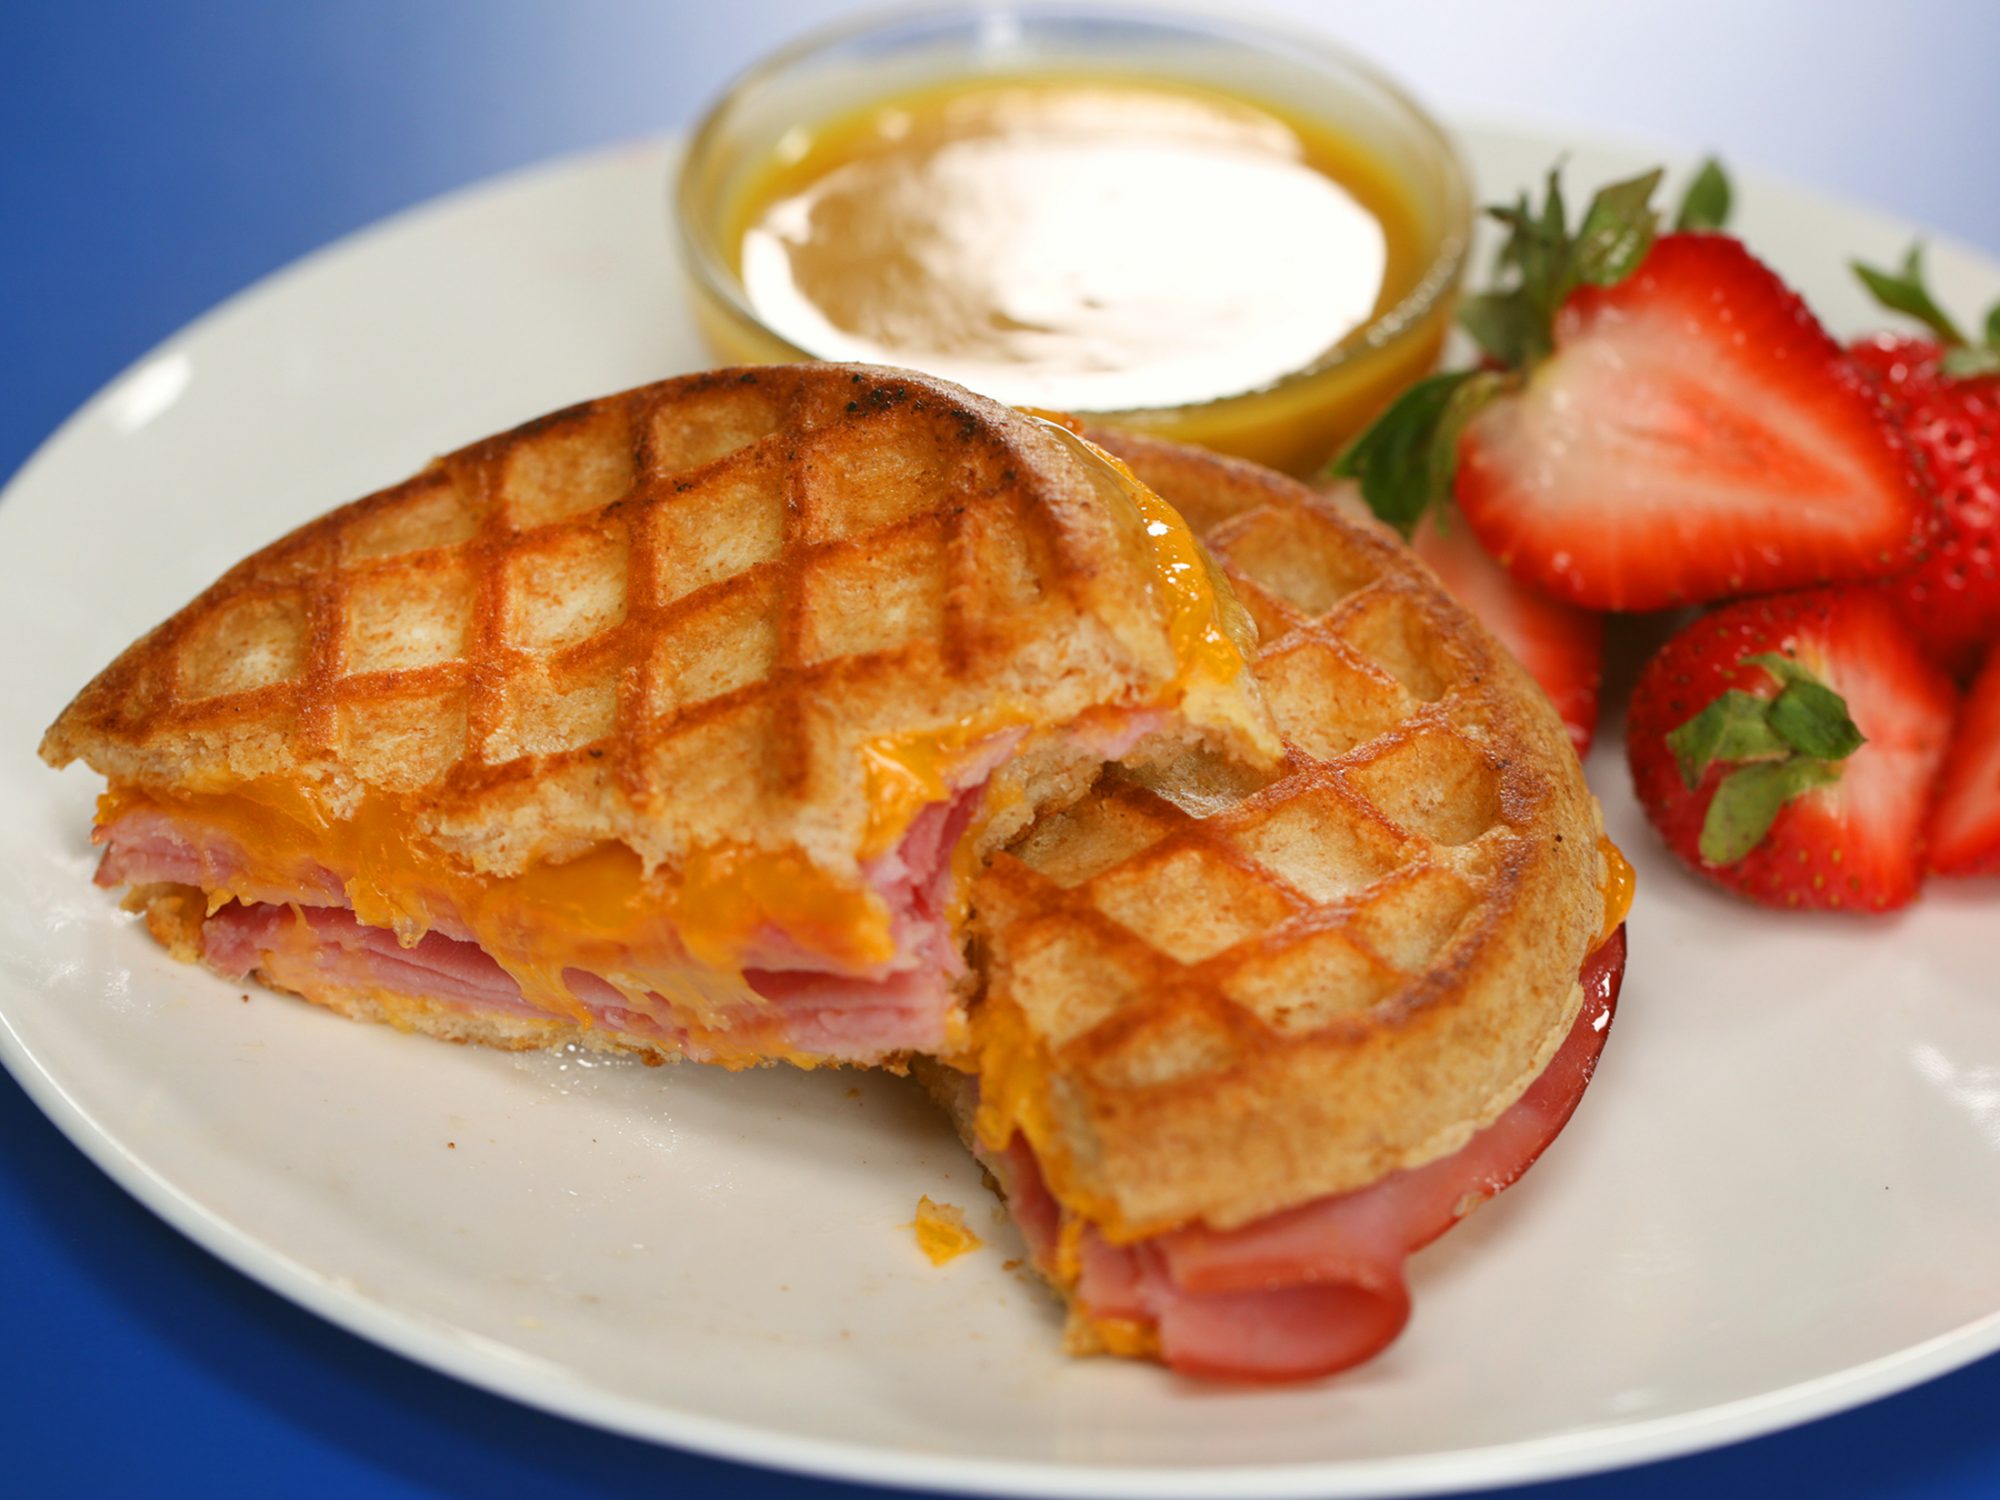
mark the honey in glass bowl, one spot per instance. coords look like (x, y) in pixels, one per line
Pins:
(1205, 231)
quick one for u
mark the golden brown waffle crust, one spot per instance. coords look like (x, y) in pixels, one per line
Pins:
(670, 618)
(1248, 996)
(417, 1016)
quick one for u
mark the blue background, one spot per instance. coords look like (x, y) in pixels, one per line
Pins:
(156, 158)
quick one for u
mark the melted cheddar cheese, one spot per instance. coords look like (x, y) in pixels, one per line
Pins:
(1212, 634)
(941, 1230)
(1620, 883)
(1125, 1337)
(599, 912)
(1014, 1066)
(907, 772)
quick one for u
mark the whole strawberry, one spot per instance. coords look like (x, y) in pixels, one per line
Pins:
(1787, 748)
(1945, 393)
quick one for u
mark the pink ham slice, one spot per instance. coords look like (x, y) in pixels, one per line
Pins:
(810, 1006)
(1320, 1287)
(824, 1015)
(147, 846)
(899, 1006)
(236, 939)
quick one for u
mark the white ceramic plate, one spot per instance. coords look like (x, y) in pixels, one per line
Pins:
(1779, 1199)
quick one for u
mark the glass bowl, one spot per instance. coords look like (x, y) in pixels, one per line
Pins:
(1295, 422)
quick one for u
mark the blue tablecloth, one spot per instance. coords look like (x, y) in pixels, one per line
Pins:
(155, 158)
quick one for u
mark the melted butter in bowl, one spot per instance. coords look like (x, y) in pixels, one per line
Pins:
(1084, 244)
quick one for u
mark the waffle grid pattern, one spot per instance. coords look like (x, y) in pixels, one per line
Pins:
(689, 604)
(642, 561)
(1170, 938)
(1253, 990)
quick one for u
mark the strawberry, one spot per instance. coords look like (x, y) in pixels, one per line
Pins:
(1787, 747)
(1945, 394)
(1965, 829)
(1671, 426)
(1695, 435)
(1561, 646)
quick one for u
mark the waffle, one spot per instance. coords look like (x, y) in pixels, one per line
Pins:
(742, 627)
(1212, 995)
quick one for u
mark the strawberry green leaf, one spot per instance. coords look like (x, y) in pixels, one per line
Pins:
(1807, 715)
(1465, 404)
(1736, 726)
(1970, 361)
(1812, 718)
(1398, 460)
(1747, 802)
(1537, 242)
(1505, 326)
(1708, 199)
(1993, 326)
(1537, 253)
(1520, 220)
(1904, 292)
(1555, 213)
(1617, 231)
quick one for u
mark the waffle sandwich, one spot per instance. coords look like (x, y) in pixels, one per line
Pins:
(1250, 1037)
(673, 722)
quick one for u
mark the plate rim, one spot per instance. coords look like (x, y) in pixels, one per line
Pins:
(440, 1348)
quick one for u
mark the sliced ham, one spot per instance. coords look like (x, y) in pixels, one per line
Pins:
(148, 846)
(821, 1015)
(237, 939)
(1320, 1287)
(789, 1000)
(1292, 1332)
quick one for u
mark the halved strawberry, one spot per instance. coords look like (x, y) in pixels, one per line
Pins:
(1661, 421)
(1944, 392)
(1787, 748)
(1695, 435)
(1965, 829)
(1561, 646)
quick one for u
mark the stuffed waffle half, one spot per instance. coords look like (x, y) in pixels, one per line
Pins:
(1248, 1038)
(673, 722)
